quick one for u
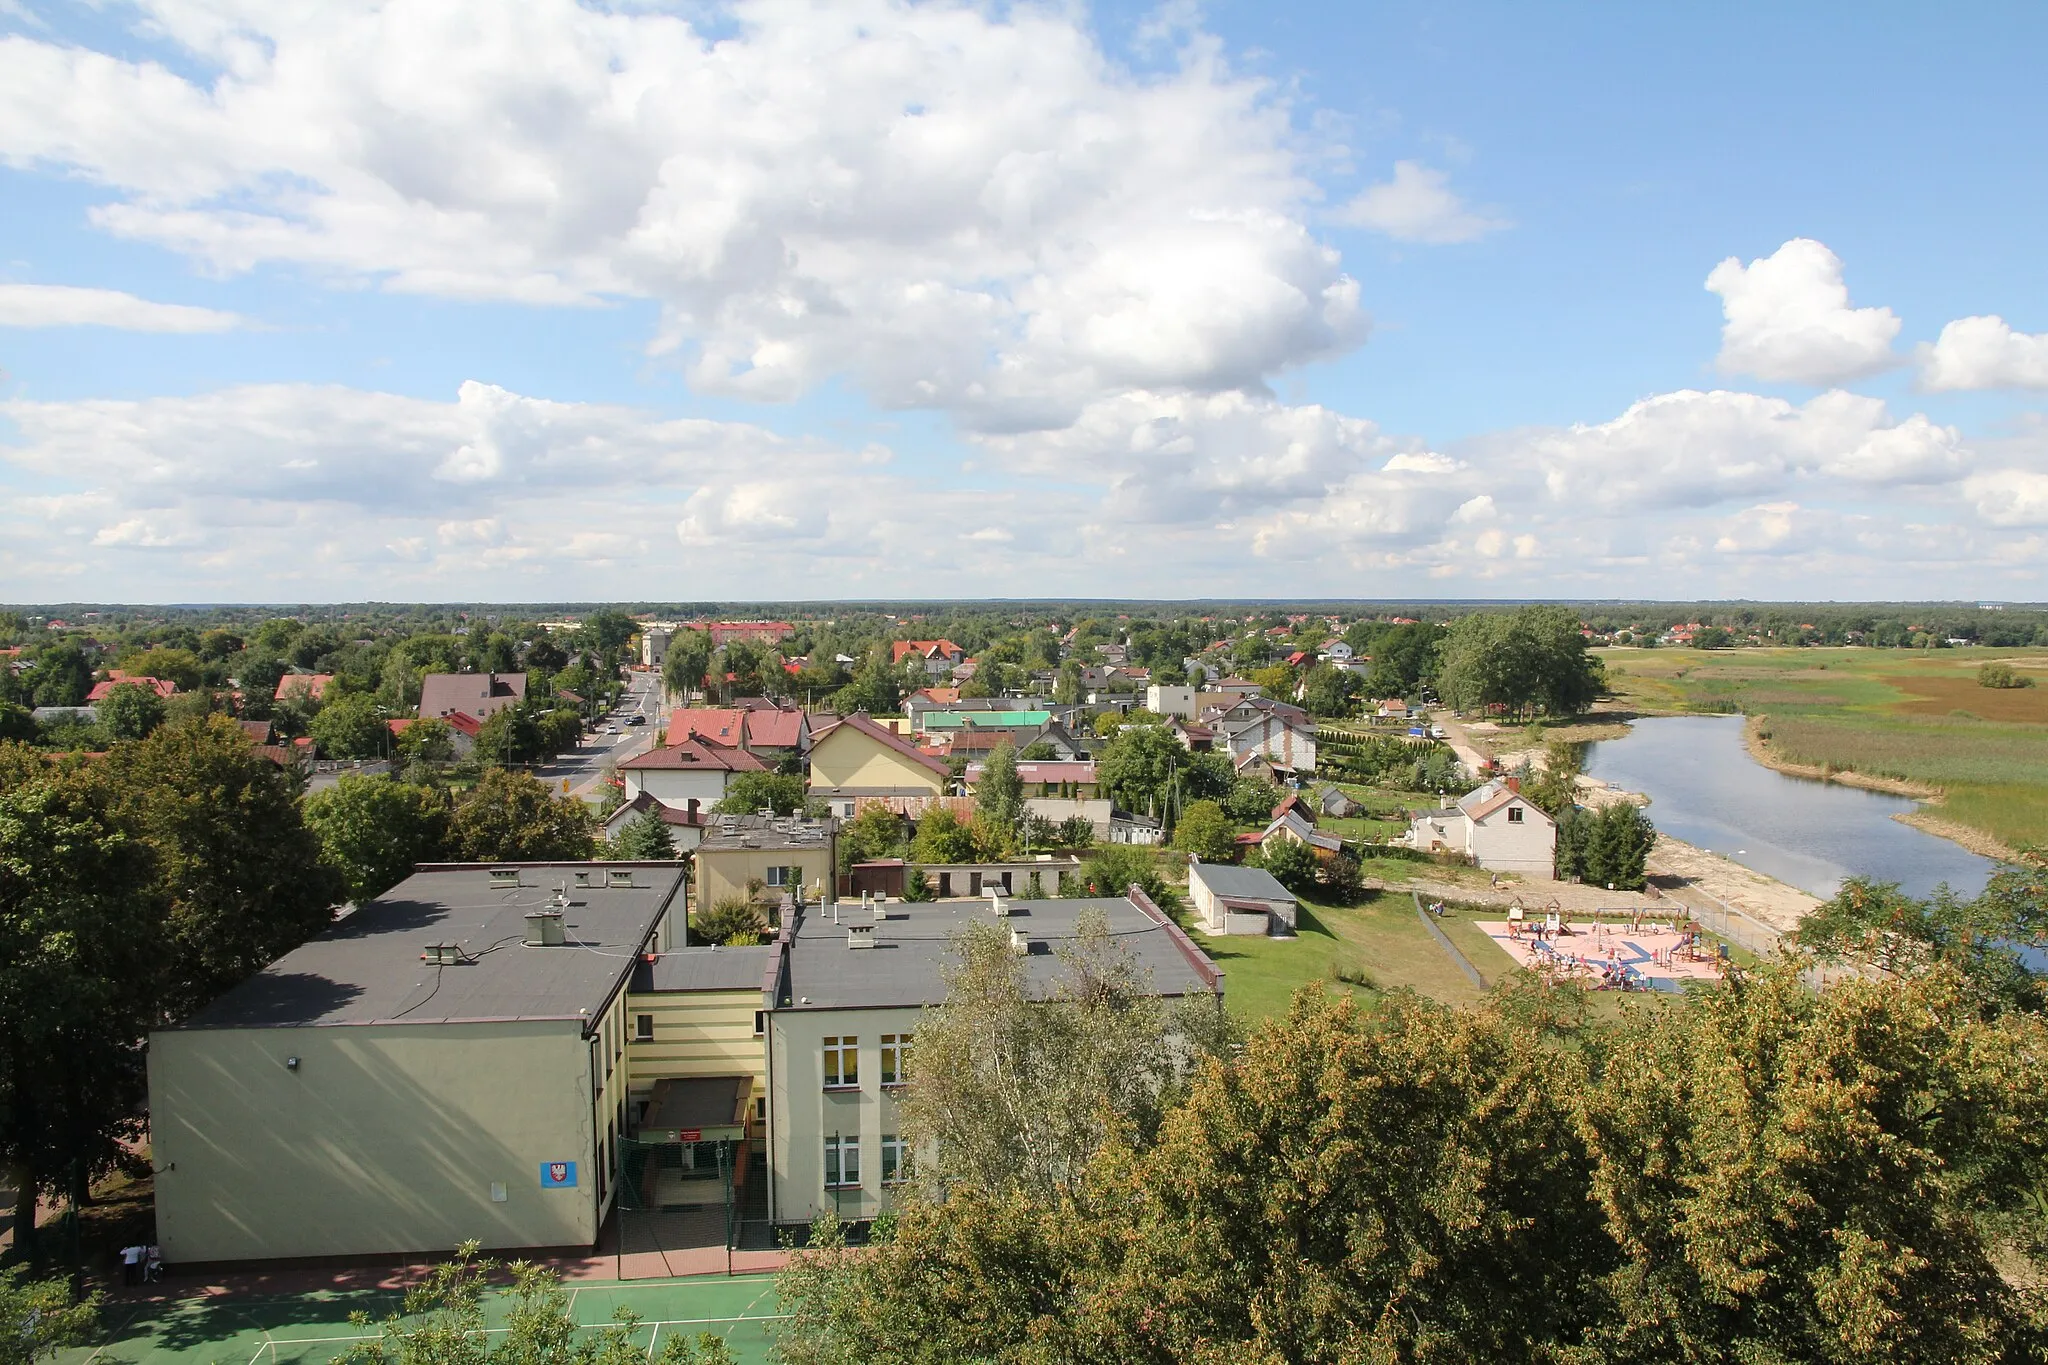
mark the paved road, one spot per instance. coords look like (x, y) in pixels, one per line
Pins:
(583, 769)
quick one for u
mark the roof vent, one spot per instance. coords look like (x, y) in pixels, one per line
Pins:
(860, 935)
(619, 877)
(504, 877)
(583, 879)
(1020, 942)
(998, 906)
(442, 954)
(544, 928)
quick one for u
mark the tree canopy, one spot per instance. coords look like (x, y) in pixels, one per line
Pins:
(1529, 661)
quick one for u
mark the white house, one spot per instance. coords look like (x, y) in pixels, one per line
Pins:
(694, 769)
(1240, 900)
(1496, 826)
(1171, 701)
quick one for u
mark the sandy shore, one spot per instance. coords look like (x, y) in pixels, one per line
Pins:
(1763, 898)
(1975, 840)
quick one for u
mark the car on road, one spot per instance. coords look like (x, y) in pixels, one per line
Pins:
(637, 720)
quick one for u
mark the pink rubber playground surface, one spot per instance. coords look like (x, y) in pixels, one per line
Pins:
(1663, 955)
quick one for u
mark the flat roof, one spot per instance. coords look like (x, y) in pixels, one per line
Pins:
(915, 947)
(705, 969)
(764, 831)
(369, 968)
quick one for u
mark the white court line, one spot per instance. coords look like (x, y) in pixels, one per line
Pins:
(580, 1327)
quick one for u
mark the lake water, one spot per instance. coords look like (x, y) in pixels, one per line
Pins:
(1704, 788)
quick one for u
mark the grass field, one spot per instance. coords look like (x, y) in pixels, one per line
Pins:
(1381, 939)
(1914, 715)
(312, 1328)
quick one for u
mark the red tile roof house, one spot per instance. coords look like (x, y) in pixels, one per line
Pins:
(694, 769)
(161, 686)
(940, 657)
(767, 729)
(477, 695)
(313, 685)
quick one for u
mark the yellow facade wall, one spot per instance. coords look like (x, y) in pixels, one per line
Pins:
(848, 758)
(725, 872)
(383, 1138)
(702, 1033)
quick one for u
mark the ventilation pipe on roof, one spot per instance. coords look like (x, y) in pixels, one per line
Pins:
(544, 928)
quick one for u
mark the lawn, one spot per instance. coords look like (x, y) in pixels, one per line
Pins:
(1915, 715)
(1379, 944)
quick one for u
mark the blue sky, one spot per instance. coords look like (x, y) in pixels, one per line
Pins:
(868, 299)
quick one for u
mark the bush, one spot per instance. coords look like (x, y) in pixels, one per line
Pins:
(1205, 832)
(2002, 676)
(1293, 865)
(733, 921)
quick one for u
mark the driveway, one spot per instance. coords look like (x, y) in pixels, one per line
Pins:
(1461, 743)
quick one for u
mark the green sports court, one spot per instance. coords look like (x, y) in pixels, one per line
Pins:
(312, 1328)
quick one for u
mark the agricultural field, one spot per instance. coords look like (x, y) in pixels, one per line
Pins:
(1916, 717)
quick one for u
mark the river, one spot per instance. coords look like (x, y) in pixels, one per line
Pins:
(1704, 788)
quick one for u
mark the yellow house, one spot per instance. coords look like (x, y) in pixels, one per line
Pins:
(788, 854)
(858, 757)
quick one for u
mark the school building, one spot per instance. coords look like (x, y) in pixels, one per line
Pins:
(516, 1054)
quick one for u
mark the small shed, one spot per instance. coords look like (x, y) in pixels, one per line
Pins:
(1334, 803)
(1241, 900)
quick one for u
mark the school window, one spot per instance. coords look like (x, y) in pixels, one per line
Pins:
(895, 1160)
(842, 1163)
(1514, 815)
(643, 1028)
(842, 1062)
(895, 1058)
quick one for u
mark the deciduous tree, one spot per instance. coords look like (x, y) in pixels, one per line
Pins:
(237, 867)
(513, 817)
(350, 727)
(1205, 831)
(130, 711)
(373, 830)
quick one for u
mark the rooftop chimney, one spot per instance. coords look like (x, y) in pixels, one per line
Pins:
(1020, 942)
(998, 907)
(860, 935)
(544, 928)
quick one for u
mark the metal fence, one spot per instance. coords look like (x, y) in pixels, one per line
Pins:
(1723, 920)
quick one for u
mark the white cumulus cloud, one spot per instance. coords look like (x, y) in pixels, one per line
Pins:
(1418, 205)
(62, 305)
(1789, 319)
(1693, 448)
(1985, 353)
(961, 207)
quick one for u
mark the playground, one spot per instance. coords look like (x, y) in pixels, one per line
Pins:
(213, 1326)
(1636, 954)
